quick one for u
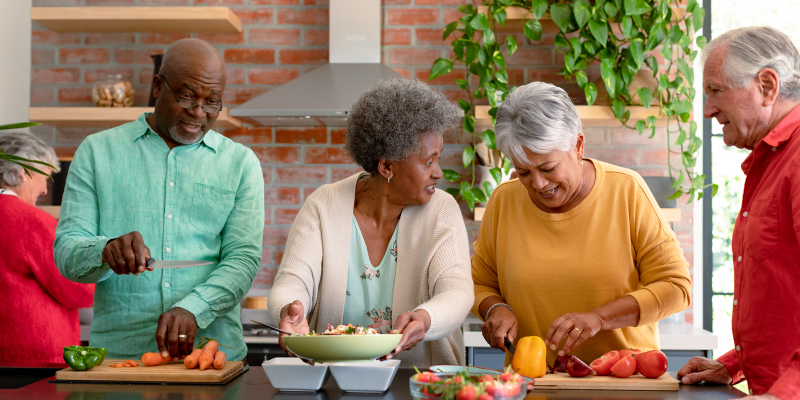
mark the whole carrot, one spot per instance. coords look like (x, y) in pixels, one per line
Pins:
(191, 361)
(206, 360)
(153, 359)
(211, 347)
(219, 360)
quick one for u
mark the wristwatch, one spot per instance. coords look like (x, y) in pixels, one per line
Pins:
(497, 305)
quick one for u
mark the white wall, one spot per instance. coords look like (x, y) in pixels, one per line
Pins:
(15, 60)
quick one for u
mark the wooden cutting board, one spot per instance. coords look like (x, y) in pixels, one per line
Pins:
(166, 373)
(562, 380)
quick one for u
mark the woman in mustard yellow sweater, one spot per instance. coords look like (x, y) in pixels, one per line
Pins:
(576, 248)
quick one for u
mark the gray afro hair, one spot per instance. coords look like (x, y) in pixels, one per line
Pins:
(387, 120)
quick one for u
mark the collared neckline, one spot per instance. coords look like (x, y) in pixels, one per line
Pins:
(8, 192)
(141, 128)
(781, 133)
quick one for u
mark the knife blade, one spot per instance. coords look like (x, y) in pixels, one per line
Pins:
(510, 346)
(151, 263)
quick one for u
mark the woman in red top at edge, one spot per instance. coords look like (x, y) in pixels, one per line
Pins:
(38, 307)
(752, 79)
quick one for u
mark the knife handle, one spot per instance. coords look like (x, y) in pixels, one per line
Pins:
(148, 262)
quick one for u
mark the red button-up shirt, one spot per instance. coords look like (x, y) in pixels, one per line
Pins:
(766, 255)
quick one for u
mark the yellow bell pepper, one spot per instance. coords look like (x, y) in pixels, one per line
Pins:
(530, 359)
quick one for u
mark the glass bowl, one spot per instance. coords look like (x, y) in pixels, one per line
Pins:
(448, 386)
(112, 90)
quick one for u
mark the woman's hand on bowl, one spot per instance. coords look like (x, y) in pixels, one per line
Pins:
(576, 327)
(293, 319)
(501, 323)
(412, 325)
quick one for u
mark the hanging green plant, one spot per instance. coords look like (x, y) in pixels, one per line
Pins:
(22, 162)
(586, 36)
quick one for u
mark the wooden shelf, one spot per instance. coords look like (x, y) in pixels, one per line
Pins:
(590, 116)
(671, 214)
(138, 19)
(106, 117)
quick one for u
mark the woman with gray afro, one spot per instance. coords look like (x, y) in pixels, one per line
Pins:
(384, 249)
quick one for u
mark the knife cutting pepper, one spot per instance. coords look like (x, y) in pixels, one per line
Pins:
(81, 358)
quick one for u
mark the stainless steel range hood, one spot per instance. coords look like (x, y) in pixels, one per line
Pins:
(325, 95)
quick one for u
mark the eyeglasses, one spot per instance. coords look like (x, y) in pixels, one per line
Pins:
(191, 104)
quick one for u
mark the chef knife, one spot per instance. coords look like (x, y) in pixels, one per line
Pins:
(151, 263)
(510, 346)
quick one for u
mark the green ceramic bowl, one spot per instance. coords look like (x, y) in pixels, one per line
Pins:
(335, 348)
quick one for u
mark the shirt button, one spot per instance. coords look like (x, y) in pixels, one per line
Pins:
(774, 149)
(172, 184)
(146, 136)
(170, 217)
(204, 322)
(166, 284)
(736, 302)
(738, 348)
(751, 392)
(744, 214)
(740, 258)
(169, 250)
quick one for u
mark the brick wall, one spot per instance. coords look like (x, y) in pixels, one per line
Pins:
(281, 40)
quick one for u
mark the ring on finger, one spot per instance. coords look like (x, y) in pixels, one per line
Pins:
(182, 336)
(576, 330)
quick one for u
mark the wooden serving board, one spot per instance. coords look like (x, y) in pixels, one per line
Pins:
(562, 380)
(166, 373)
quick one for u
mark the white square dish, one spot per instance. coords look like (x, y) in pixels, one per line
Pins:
(364, 376)
(291, 374)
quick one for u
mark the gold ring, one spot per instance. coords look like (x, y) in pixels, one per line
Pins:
(577, 330)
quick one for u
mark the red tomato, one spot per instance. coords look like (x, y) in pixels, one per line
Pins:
(485, 396)
(429, 393)
(652, 364)
(625, 352)
(506, 377)
(466, 393)
(491, 388)
(486, 378)
(625, 367)
(603, 364)
(426, 377)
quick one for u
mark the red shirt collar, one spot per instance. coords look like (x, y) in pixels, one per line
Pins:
(782, 132)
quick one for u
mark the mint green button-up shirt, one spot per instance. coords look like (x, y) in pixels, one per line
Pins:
(203, 201)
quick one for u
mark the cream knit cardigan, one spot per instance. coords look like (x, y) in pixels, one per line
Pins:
(433, 268)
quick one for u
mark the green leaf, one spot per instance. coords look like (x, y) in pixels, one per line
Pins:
(581, 12)
(640, 7)
(681, 137)
(686, 70)
(482, 56)
(511, 45)
(599, 31)
(497, 175)
(684, 42)
(690, 5)
(500, 16)
(461, 83)
(576, 46)
(667, 52)
(562, 44)
(487, 187)
(498, 59)
(581, 78)
(451, 175)
(502, 76)
(591, 93)
(441, 66)
(697, 18)
(538, 8)
(479, 195)
(714, 188)
(701, 42)
(469, 123)
(450, 28)
(479, 22)
(464, 105)
(453, 192)
(619, 109)
(692, 129)
(629, 6)
(472, 52)
(627, 27)
(678, 193)
(677, 183)
(470, 198)
(658, 32)
(590, 47)
(646, 96)
(610, 9)
(569, 62)
(561, 13)
(681, 107)
(458, 48)
(651, 121)
(468, 156)
(19, 125)
(640, 125)
(533, 30)
(489, 138)
(609, 78)
(464, 186)
(489, 37)
(638, 52)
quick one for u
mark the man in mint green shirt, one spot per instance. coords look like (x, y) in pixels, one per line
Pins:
(165, 186)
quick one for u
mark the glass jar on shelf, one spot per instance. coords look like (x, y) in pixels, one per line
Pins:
(112, 90)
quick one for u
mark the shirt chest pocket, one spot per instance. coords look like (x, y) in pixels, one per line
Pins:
(210, 208)
(761, 240)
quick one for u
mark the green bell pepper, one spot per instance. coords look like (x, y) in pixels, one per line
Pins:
(82, 358)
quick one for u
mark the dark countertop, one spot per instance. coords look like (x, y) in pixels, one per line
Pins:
(255, 385)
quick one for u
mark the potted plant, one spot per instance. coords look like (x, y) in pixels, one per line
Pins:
(622, 36)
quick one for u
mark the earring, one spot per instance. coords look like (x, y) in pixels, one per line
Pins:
(389, 179)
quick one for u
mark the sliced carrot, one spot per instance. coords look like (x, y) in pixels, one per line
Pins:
(119, 365)
(219, 360)
(153, 359)
(206, 360)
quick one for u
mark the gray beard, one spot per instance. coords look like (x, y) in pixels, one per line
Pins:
(174, 135)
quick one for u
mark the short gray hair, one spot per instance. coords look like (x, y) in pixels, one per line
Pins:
(751, 49)
(538, 116)
(387, 120)
(25, 145)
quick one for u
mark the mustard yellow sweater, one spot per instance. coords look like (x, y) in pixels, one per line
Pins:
(615, 243)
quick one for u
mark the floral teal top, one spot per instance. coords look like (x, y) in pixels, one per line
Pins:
(370, 289)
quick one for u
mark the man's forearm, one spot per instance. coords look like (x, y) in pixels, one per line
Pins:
(81, 259)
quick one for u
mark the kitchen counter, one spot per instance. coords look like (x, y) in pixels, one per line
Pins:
(255, 385)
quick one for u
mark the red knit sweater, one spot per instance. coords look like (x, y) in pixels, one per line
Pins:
(38, 306)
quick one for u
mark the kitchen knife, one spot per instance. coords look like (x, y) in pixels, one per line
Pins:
(151, 263)
(510, 346)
